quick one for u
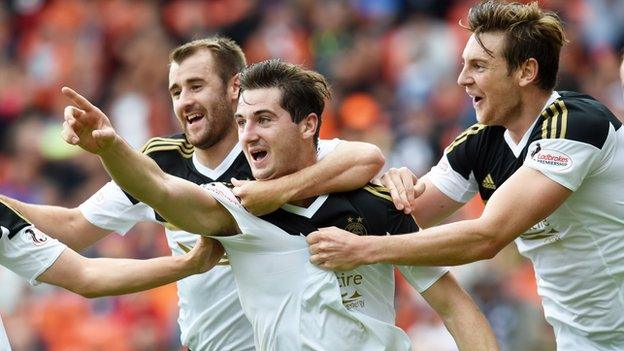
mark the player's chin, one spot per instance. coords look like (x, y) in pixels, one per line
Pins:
(260, 173)
(483, 118)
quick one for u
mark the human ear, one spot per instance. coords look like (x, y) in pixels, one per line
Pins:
(528, 71)
(233, 89)
(308, 126)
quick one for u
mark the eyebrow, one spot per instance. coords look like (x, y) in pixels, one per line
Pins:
(195, 79)
(476, 60)
(259, 112)
(188, 81)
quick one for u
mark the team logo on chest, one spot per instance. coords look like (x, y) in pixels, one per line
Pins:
(356, 226)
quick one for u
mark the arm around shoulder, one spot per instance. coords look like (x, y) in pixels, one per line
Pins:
(350, 165)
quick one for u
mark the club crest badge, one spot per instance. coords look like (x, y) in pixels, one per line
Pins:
(356, 226)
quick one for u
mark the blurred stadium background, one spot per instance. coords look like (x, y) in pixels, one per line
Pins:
(392, 64)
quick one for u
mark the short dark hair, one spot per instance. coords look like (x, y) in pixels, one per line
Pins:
(229, 57)
(303, 91)
(530, 32)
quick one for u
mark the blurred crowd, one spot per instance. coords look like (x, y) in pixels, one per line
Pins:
(392, 65)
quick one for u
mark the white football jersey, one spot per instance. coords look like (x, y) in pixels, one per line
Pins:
(577, 251)
(24, 250)
(210, 315)
(4, 340)
(580, 266)
(292, 304)
(368, 289)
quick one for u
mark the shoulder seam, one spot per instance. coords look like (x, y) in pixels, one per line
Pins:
(472, 130)
(172, 141)
(184, 154)
(555, 122)
(166, 144)
(18, 213)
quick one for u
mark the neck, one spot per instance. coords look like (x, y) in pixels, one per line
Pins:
(307, 159)
(213, 156)
(531, 106)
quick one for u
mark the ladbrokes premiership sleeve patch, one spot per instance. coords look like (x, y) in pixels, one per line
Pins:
(566, 162)
(28, 252)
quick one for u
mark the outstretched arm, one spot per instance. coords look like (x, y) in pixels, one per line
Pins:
(461, 316)
(349, 166)
(95, 277)
(68, 225)
(180, 202)
(451, 244)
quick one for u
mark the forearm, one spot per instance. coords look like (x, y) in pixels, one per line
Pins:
(460, 314)
(447, 245)
(106, 276)
(433, 206)
(135, 173)
(350, 166)
(65, 224)
(469, 328)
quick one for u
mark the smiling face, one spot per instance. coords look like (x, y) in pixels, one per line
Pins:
(200, 100)
(494, 91)
(273, 144)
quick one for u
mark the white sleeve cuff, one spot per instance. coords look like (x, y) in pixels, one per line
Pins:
(451, 183)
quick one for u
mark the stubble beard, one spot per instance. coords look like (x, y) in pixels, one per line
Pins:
(501, 117)
(219, 121)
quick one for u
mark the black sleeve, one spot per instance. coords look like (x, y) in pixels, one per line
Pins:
(400, 223)
(581, 118)
(11, 221)
(462, 152)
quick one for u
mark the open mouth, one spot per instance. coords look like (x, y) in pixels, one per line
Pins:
(194, 117)
(258, 155)
(476, 99)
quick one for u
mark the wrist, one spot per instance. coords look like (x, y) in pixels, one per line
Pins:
(285, 190)
(372, 251)
(112, 148)
(290, 195)
(187, 264)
